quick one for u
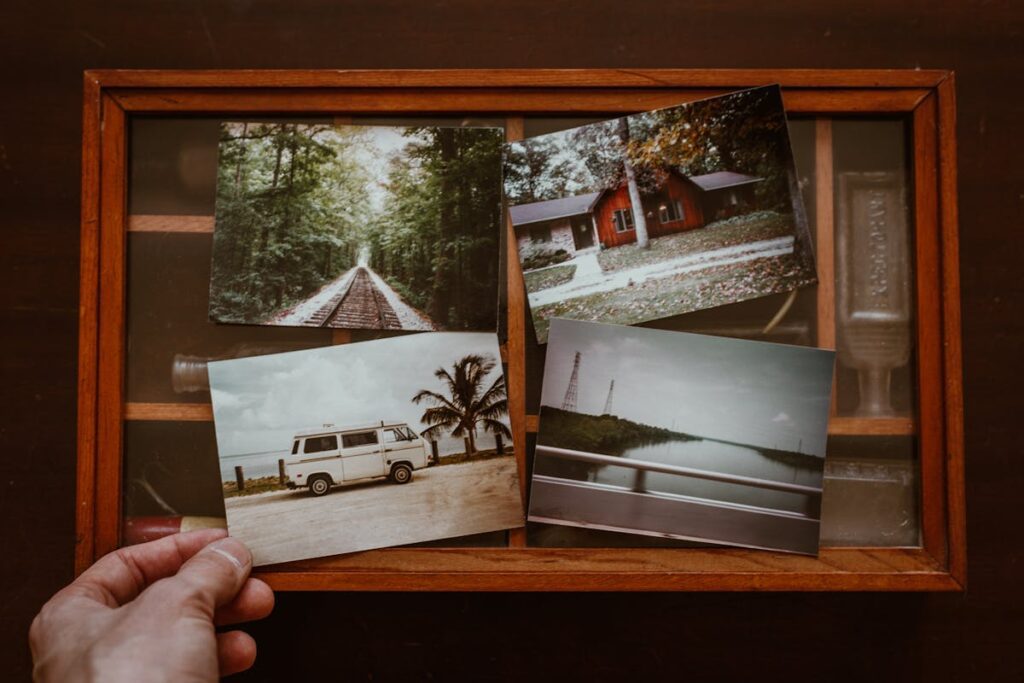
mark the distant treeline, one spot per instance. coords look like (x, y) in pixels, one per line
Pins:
(290, 207)
(604, 434)
(436, 242)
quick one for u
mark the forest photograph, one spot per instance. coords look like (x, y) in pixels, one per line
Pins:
(659, 213)
(350, 226)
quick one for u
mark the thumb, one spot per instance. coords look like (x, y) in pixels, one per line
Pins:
(214, 575)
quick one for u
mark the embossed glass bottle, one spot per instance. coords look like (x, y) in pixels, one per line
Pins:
(872, 284)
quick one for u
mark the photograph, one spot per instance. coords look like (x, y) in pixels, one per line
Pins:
(682, 436)
(660, 213)
(360, 227)
(365, 445)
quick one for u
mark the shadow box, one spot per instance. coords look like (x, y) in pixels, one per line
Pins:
(893, 502)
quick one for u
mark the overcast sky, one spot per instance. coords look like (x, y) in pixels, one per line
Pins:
(762, 394)
(260, 403)
(379, 144)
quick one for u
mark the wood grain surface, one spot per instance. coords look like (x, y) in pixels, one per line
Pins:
(522, 637)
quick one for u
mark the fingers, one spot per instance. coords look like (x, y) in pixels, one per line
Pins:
(254, 601)
(120, 576)
(236, 651)
(214, 575)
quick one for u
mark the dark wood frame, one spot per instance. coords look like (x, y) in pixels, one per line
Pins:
(927, 97)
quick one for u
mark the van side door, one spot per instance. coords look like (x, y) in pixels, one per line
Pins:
(317, 454)
(361, 455)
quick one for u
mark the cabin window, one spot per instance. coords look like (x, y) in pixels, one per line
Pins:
(295, 447)
(319, 444)
(359, 439)
(395, 435)
(622, 219)
(670, 211)
(542, 234)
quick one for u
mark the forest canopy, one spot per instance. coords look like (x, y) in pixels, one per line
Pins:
(300, 205)
(744, 132)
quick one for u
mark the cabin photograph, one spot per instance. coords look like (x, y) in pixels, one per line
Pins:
(660, 213)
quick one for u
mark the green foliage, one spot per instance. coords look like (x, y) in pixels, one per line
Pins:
(540, 254)
(469, 404)
(605, 434)
(289, 211)
(744, 132)
(436, 241)
(537, 170)
(549, 277)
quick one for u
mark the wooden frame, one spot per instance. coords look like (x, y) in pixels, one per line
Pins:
(926, 97)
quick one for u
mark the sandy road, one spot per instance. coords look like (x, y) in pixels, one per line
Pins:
(439, 502)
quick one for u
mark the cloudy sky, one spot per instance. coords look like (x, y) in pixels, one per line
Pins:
(260, 403)
(763, 394)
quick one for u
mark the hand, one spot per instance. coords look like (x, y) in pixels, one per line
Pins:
(147, 613)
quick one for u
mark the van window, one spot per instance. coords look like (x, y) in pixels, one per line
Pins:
(359, 439)
(295, 447)
(396, 434)
(319, 444)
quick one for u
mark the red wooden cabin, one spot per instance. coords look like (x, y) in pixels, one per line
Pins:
(682, 203)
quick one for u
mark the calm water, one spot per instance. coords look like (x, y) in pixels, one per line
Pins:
(265, 464)
(714, 456)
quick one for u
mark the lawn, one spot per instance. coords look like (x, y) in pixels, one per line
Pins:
(754, 227)
(537, 280)
(676, 294)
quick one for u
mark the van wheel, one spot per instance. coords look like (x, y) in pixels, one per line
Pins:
(319, 486)
(401, 474)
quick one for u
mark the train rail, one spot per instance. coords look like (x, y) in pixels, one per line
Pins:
(360, 305)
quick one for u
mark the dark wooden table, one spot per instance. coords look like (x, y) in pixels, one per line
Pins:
(44, 46)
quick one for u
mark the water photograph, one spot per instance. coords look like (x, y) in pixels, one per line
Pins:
(365, 445)
(659, 213)
(683, 436)
(357, 226)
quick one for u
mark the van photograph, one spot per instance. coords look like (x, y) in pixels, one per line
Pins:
(322, 458)
(357, 446)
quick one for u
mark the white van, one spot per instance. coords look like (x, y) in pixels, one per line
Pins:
(322, 458)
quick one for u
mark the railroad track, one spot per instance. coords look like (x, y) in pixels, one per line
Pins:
(360, 305)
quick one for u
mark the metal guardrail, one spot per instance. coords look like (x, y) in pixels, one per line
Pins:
(644, 466)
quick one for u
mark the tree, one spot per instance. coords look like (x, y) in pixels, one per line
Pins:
(437, 243)
(467, 404)
(288, 216)
(639, 220)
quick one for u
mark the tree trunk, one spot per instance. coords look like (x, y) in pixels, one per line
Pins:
(441, 288)
(639, 220)
(472, 441)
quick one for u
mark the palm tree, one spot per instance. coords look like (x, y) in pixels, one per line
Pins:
(468, 404)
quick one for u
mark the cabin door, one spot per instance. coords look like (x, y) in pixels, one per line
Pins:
(582, 233)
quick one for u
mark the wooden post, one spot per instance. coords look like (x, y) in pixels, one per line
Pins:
(434, 452)
(239, 478)
(499, 444)
(281, 476)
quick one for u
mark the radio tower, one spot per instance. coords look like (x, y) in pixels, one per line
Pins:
(570, 394)
(608, 403)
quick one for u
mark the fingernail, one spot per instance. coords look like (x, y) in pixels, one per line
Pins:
(232, 549)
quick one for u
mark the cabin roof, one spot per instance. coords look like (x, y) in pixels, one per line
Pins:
(335, 429)
(723, 179)
(563, 207)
